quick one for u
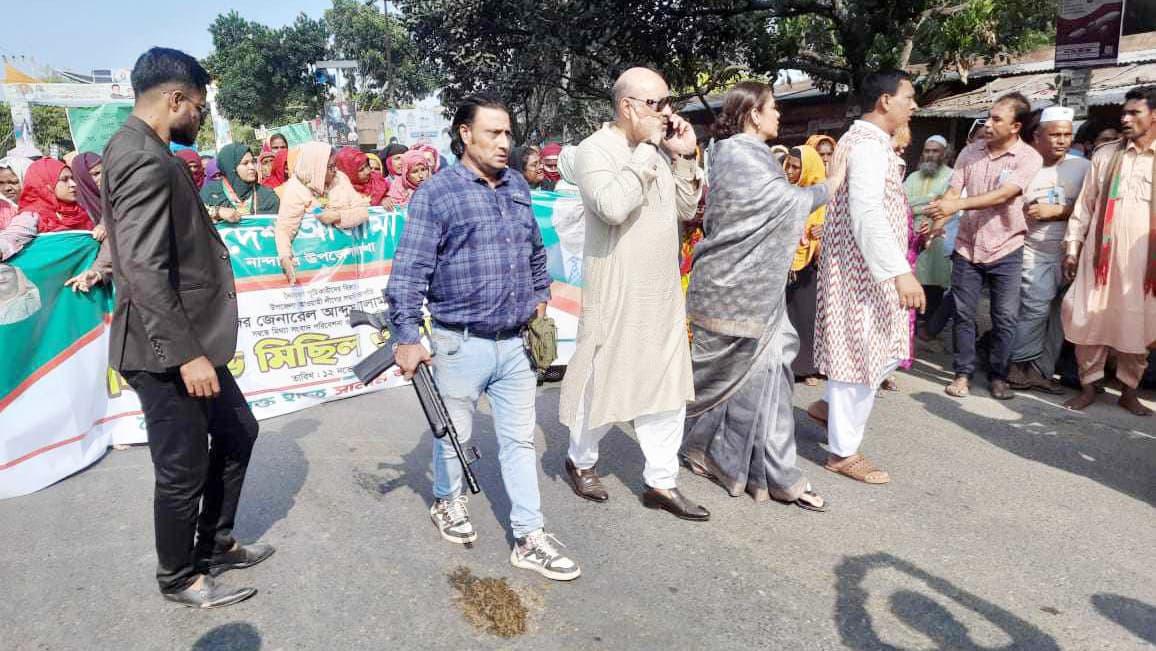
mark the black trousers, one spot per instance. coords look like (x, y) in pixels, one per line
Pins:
(200, 450)
(802, 294)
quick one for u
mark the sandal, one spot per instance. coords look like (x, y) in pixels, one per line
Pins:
(808, 501)
(857, 467)
(889, 384)
(811, 381)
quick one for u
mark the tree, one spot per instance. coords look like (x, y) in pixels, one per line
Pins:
(551, 60)
(50, 127)
(390, 69)
(264, 74)
(8, 141)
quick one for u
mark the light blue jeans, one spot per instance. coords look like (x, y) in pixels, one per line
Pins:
(466, 367)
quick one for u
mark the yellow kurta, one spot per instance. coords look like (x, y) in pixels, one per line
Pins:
(632, 331)
(1117, 314)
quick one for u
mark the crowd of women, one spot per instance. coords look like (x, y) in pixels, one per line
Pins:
(337, 186)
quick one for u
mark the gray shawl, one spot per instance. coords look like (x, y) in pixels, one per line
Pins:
(754, 219)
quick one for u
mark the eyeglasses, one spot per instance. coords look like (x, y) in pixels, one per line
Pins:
(656, 105)
(202, 109)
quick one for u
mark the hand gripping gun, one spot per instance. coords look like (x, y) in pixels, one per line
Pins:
(379, 361)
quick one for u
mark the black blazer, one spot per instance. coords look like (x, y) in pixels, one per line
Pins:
(175, 297)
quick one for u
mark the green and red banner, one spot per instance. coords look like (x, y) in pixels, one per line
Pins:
(61, 406)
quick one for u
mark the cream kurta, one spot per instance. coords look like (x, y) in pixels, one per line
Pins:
(632, 333)
(1116, 314)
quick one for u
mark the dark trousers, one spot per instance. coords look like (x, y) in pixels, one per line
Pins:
(1003, 278)
(200, 450)
(802, 292)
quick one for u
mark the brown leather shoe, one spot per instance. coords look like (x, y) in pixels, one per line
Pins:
(675, 504)
(586, 483)
(1000, 390)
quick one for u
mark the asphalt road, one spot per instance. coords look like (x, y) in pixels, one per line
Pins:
(1007, 526)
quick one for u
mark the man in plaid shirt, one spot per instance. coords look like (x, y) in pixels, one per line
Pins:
(471, 248)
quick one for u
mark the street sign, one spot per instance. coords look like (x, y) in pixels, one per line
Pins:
(1088, 33)
(1072, 90)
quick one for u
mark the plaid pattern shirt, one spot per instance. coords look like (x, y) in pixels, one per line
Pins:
(474, 252)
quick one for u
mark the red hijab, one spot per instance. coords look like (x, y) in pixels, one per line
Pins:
(555, 150)
(39, 196)
(349, 161)
(280, 172)
(191, 156)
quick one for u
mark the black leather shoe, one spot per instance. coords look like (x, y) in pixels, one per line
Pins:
(238, 559)
(675, 504)
(586, 483)
(209, 595)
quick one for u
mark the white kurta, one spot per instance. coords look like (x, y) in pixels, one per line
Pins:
(632, 344)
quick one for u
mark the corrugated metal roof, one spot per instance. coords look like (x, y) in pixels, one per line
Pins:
(1108, 87)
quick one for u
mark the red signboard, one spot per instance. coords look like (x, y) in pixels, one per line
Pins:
(1088, 32)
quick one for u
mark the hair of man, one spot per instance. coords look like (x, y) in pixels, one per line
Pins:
(879, 83)
(465, 114)
(160, 66)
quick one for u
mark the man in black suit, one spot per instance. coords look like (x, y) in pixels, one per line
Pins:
(174, 330)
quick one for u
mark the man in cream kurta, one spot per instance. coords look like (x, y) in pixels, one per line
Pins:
(632, 362)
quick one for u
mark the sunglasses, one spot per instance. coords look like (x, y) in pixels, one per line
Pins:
(656, 105)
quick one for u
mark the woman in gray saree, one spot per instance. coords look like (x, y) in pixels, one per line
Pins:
(740, 430)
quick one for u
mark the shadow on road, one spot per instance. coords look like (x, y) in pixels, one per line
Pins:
(275, 476)
(235, 636)
(920, 612)
(1107, 453)
(1136, 616)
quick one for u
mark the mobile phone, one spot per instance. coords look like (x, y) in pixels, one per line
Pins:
(669, 131)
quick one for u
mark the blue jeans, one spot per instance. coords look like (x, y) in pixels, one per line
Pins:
(967, 280)
(465, 367)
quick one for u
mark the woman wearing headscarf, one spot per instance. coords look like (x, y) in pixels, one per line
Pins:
(566, 170)
(433, 158)
(50, 193)
(391, 155)
(212, 169)
(87, 169)
(195, 164)
(413, 172)
(237, 194)
(16, 228)
(550, 165)
(803, 280)
(12, 171)
(265, 163)
(376, 166)
(740, 429)
(355, 166)
(317, 189)
(278, 172)
(825, 145)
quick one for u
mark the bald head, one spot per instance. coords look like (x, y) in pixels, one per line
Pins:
(638, 82)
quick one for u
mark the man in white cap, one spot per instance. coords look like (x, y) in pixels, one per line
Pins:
(925, 184)
(1049, 200)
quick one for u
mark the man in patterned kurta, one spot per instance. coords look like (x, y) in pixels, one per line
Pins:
(866, 285)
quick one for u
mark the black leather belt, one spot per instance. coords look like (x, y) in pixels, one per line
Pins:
(508, 333)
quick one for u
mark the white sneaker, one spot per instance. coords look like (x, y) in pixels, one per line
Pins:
(538, 551)
(453, 520)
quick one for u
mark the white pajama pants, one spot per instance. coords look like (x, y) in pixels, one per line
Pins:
(848, 408)
(659, 435)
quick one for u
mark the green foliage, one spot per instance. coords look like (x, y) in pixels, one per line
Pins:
(7, 135)
(264, 74)
(50, 127)
(390, 71)
(206, 139)
(554, 61)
